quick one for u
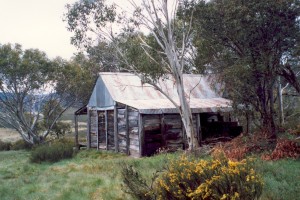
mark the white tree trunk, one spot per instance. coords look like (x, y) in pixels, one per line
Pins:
(186, 115)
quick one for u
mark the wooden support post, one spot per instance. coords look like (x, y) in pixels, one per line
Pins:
(199, 130)
(183, 135)
(76, 132)
(106, 131)
(97, 130)
(127, 130)
(116, 129)
(88, 134)
(141, 135)
(162, 129)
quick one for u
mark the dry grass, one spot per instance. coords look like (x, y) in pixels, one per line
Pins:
(9, 135)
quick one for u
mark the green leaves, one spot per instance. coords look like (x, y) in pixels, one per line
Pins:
(249, 44)
(86, 17)
(23, 69)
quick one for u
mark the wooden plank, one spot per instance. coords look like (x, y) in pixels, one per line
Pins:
(152, 127)
(97, 132)
(141, 135)
(134, 136)
(134, 130)
(199, 129)
(76, 132)
(133, 113)
(93, 145)
(184, 136)
(88, 130)
(127, 132)
(134, 142)
(121, 111)
(132, 123)
(152, 121)
(106, 131)
(116, 128)
(163, 129)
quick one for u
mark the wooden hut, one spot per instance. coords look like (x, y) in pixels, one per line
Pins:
(126, 115)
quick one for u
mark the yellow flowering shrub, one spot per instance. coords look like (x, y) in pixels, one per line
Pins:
(219, 178)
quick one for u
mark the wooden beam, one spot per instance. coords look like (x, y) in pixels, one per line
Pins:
(76, 132)
(97, 129)
(141, 135)
(162, 129)
(106, 131)
(184, 137)
(127, 131)
(116, 128)
(88, 134)
(199, 130)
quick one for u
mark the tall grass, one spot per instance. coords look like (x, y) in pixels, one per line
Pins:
(282, 179)
(97, 175)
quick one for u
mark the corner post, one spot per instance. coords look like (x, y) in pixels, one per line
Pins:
(76, 132)
(116, 128)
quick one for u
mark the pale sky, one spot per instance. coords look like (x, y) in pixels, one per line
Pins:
(36, 24)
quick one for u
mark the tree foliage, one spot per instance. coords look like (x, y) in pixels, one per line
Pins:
(249, 44)
(35, 90)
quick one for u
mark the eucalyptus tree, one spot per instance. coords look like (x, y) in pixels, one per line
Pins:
(151, 32)
(34, 89)
(250, 43)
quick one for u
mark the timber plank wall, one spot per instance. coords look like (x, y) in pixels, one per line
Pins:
(136, 134)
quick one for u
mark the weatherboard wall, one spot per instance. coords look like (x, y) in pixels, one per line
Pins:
(126, 130)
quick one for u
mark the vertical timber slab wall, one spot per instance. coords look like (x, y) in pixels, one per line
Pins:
(116, 128)
(128, 131)
(106, 130)
(174, 131)
(133, 132)
(88, 135)
(110, 130)
(93, 128)
(122, 141)
(101, 130)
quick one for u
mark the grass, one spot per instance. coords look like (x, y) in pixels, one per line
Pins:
(96, 175)
(90, 175)
(281, 179)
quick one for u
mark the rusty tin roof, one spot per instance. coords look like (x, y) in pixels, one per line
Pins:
(128, 89)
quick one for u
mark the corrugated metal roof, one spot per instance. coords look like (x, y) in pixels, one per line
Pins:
(157, 106)
(128, 89)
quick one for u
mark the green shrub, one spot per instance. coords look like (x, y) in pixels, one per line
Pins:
(135, 184)
(219, 178)
(52, 152)
(5, 146)
(185, 178)
(21, 145)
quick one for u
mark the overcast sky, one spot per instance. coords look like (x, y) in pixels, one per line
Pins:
(36, 24)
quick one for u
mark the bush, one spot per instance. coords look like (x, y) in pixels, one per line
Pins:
(219, 178)
(21, 145)
(52, 152)
(242, 146)
(185, 178)
(135, 184)
(284, 149)
(5, 146)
